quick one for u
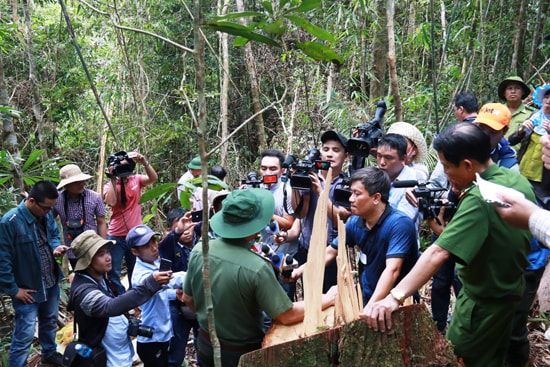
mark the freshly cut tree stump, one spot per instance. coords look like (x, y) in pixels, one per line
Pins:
(414, 342)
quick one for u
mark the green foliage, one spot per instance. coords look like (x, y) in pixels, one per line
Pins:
(33, 170)
(188, 187)
(273, 22)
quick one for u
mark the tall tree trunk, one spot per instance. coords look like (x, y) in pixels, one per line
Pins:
(519, 39)
(202, 117)
(9, 138)
(390, 11)
(35, 92)
(223, 5)
(379, 52)
(542, 10)
(254, 87)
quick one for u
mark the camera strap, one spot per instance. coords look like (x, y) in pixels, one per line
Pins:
(66, 207)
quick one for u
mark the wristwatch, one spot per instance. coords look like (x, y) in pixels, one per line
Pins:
(399, 295)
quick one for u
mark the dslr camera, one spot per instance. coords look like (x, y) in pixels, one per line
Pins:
(135, 328)
(253, 181)
(429, 202)
(120, 169)
(367, 134)
(300, 179)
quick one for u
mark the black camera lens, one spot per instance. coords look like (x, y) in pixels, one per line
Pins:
(136, 329)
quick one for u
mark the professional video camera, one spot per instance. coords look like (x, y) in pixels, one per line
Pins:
(283, 264)
(135, 328)
(300, 179)
(367, 133)
(120, 169)
(342, 193)
(253, 181)
(429, 202)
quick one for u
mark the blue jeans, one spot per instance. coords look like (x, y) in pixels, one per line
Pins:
(25, 321)
(119, 251)
(181, 328)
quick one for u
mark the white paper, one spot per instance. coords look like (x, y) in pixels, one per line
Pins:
(490, 190)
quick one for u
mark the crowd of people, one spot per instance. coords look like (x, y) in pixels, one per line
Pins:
(492, 255)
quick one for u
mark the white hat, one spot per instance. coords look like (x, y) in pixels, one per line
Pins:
(71, 173)
(411, 132)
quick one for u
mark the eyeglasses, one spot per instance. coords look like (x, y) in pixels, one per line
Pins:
(43, 207)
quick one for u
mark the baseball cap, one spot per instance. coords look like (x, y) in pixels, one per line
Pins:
(495, 115)
(334, 135)
(140, 235)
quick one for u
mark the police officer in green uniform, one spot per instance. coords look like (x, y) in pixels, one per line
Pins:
(243, 283)
(490, 255)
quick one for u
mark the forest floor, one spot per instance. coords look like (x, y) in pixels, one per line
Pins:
(538, 323)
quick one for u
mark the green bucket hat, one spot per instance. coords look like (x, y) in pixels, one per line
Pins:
(513, 79)
(85, 246)
(195, 163)
(244, 213)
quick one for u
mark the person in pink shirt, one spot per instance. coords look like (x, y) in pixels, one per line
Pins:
(122, 195)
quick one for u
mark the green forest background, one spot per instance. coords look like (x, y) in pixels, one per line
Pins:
(311, 65)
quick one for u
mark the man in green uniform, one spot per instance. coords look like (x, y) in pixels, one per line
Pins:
(490, 255)
(513, 91)
(243, 283)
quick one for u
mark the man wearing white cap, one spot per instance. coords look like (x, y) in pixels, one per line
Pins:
(79, 209)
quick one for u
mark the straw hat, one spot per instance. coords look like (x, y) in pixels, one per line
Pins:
(411, 132)
(71, 173)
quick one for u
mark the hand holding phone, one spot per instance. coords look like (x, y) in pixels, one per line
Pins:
(165, 265)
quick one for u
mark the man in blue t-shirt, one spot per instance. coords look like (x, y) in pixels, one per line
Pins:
(386, 237)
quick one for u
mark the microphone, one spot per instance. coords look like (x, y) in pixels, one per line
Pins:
(405, 183)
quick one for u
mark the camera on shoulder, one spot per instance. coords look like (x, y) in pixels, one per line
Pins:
(122, 165)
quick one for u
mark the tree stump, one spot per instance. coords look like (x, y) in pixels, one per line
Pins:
(414, 342)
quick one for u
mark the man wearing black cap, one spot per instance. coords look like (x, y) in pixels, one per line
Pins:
(242, 282)
(333, 150)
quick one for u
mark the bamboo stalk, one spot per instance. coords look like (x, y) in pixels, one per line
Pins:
(313, 282)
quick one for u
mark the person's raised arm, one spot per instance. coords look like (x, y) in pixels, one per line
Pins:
(151, 176)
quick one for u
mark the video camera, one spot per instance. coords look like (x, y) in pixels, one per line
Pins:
(253, 181)
(283, 265)
(120, 169)
(429, 202)
(342, 193)
(300, 179)
(367, 133)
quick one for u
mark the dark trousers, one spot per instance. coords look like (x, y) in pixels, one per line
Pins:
(442, 281)
(181, 328)
(330, 277)
(153, 354)
(230, 356)
(518, 351)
